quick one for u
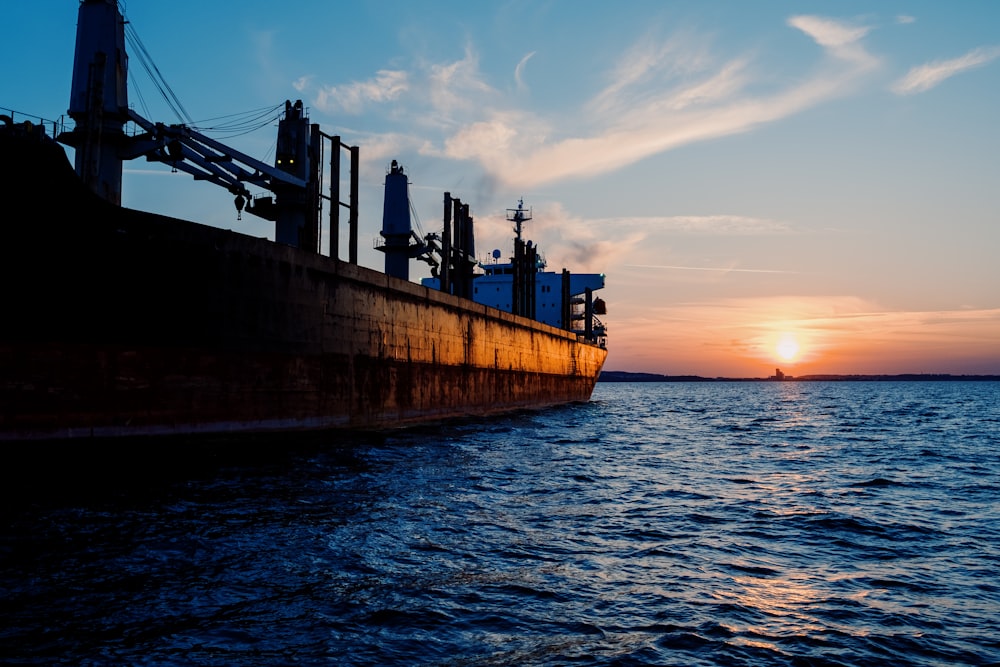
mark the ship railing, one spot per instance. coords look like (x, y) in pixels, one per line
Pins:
(51, 128)
(599, 332)
(379, 242)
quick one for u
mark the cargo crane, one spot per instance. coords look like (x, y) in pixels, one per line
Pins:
(451, 254)
(99, 106)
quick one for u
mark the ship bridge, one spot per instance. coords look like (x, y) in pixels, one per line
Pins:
(522, 286)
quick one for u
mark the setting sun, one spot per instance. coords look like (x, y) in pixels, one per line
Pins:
(787, 348)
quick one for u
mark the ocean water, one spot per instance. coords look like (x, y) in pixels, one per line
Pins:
(840, 523)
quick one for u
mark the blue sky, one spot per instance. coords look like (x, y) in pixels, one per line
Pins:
(744, 173)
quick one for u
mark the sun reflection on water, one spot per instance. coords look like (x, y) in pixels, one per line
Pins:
(777, 609)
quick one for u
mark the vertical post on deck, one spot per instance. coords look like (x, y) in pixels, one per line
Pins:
(335, 197)
(566, 313)
(353, 220)
(446, 246)
(589, 316)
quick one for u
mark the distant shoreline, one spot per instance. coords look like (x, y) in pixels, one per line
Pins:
(624, 376)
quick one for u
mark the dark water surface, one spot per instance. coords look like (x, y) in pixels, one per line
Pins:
(660, 524)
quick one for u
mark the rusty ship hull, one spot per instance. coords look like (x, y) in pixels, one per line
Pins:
(123, 323)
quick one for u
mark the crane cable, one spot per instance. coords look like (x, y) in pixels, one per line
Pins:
(146, 60)
(236, 125)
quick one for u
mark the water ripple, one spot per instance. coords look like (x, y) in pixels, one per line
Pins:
(676, 524)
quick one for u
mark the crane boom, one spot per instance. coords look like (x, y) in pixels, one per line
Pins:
(99, 105)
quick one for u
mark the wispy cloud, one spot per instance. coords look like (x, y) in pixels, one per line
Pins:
(660, 95)
(649, 70)
(380, 148)
(841, 40)
(924, 77)
(480, 138)
(717, 269)
(352, 98)
(728, 225)
(658, 100)
(586, 244)
(458, 85)
(519, 71)
(568, 240)
(721, 86)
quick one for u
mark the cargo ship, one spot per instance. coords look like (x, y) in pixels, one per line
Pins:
(118, 322)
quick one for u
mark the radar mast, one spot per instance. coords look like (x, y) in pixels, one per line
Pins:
(518, 216)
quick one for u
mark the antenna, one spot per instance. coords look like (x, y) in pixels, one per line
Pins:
(518, 216)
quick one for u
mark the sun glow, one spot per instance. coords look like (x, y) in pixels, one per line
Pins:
(787, 347)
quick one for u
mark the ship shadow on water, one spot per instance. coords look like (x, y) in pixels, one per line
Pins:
(67, 472)
(60, 472)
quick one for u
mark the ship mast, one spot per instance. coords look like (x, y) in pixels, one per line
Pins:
(518, 216)
(524, 265)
